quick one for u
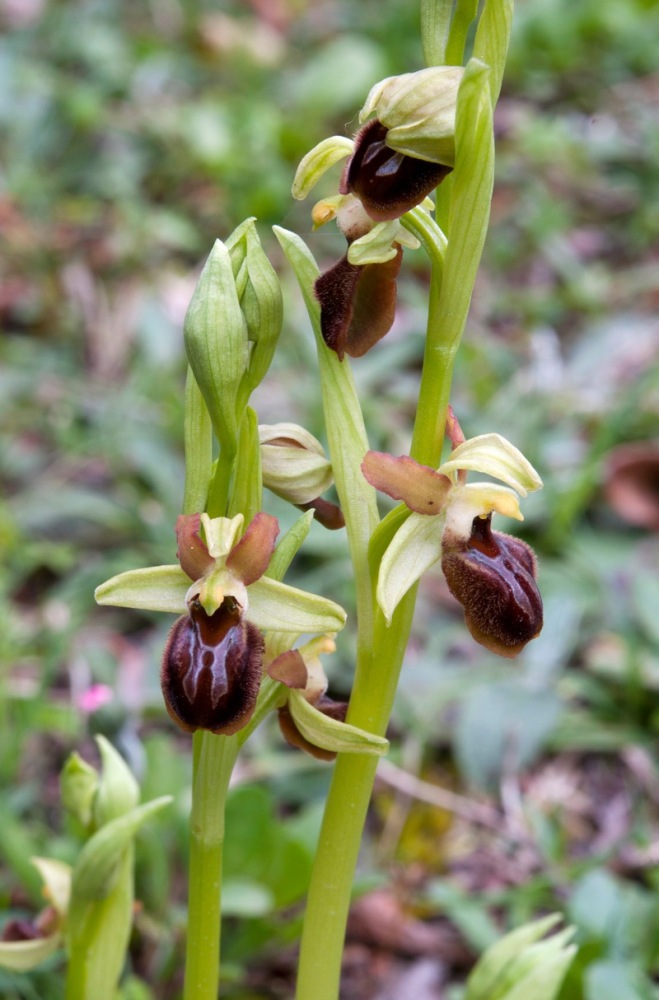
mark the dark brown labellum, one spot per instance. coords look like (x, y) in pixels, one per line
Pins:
(334, 709)
(387, 183)
(211, 669)
(493, 576)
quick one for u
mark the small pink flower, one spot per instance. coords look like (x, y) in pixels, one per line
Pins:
(95, 697)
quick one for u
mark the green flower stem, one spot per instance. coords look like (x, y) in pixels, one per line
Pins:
(213, 760)
(380, 649)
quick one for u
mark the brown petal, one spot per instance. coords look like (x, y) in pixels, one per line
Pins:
(418, 486)
(290, 669)
(248, 560)
(357, 304)
(211, 669)
(387, 183)
(493, 577)
(191, 551)
(334, 709)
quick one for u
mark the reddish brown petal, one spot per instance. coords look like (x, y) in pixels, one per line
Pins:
(329, 514)
(421, 488)
(191, 551)
(387, 183)
(248, 560)
(290, 669)
(493, 577)
(357, 304)
(334, 709)
(211, 669)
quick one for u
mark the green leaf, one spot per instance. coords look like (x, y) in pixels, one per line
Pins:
(263, 309)
(330, 734)
(156, 588)
(276, 607)
(514, 956)
(78, 786)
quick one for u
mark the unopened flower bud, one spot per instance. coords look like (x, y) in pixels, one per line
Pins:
(260, 298)
(231, 328)
(493, 576)
(293, 462)
(211, 669)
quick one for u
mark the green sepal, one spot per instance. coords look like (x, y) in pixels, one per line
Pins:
(383, 536)
(118, 791)
(330, 734)
(247, 487)
(155, 588)
(215, 333)
(289, 546)
(415, 547)
(97, 866)
(79, 783)
(22, 956)
(276, 607)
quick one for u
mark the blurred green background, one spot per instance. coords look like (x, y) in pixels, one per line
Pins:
(132, 134)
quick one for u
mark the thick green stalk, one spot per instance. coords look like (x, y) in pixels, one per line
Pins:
(213, 760)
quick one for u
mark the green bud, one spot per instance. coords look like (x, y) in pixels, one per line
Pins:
(260, 300)
(216, 342)
(294, 463)
(79, 783)
(521, 966)
(418, 111)
(118, 791)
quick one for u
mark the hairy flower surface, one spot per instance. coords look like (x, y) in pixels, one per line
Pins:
(491, 574)
(213, 660)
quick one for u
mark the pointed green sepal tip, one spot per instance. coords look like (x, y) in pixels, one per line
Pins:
(330, 734)
(118, 791)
